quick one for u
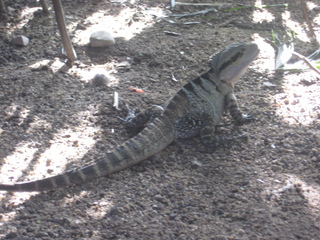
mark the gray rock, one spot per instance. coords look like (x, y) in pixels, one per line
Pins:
(50, 52)
(101, 39)
(100, 80)
(20, 41)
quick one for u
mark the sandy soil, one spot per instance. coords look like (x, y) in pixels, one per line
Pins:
(52, 120)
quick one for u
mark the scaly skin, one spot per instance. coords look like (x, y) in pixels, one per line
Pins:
(195, 109)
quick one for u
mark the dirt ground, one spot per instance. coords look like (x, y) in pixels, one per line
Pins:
(52, 120)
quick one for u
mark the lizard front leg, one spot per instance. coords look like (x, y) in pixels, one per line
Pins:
(235, 112)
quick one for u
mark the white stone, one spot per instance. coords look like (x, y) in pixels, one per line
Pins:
(101, 39)
(20, 41)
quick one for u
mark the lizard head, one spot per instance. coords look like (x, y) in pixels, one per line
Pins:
(231, 63)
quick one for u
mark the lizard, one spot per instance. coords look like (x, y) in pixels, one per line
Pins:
(194, 110)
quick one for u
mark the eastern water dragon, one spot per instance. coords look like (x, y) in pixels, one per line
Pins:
(195, 109)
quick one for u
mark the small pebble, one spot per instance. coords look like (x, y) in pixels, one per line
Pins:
(101, 39)
(21, 41)
(50, 52)
(100, 80)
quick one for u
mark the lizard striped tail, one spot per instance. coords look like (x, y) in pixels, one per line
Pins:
(155, 137)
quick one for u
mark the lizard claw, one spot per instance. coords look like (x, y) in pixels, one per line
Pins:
(249, 117)
(246, 118)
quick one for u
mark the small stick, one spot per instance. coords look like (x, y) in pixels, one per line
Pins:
(306, 61)
(44, 6)
(307, 19)
(200, 4)
(116, 100)
(71, 53)
(195, 13)
(2, 7)
(225, 23)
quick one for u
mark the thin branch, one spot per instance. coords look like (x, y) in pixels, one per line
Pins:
(307, 19)
(2, 7)
(200, 4)
(44, 6)
(71, 54)
(194, 13)
(306, 61)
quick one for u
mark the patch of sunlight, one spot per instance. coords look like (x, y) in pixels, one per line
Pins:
(66, 146)
(39, 64)
(12, 166)
(299, 103)
(19, 159)
(7, 217)
(86, 73)
(97, 209)
(295, 26)
(57, 65)
(317, 19)
(261, 14)
(83, 72)
(127, 24)
(25, 16)
(311, 5)
(267, 54)
(311, 192)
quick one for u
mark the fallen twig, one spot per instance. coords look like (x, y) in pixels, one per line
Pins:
(191, 23)
(172, 33)
(307, 19)
(194, 13)
(226, 23)
(116, 100)
(201, 4)
(306, 61)
(2, 7)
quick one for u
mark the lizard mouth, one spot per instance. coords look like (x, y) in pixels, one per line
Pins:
(254, 49)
